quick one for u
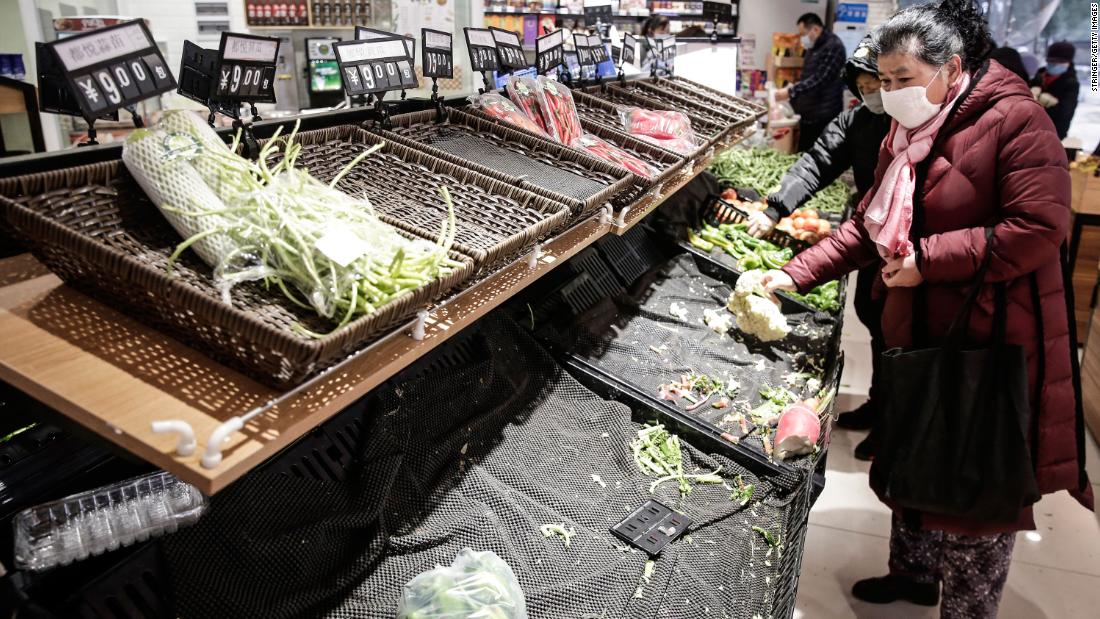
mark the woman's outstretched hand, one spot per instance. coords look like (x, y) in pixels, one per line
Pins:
(777, 280)
(902, 272)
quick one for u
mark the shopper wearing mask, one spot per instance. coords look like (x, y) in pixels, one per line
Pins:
(971, 163)
(819, 95)
(851, 140)
(653, 26)
(1056, 87)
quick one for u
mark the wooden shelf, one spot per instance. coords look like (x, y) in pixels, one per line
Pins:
(116, 376)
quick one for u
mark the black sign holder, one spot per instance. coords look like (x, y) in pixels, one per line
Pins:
(509, 49)
(549, 51)
(628, 54)
(224, 84)
(374, 66)
(717, 12)
(362, 33)
(437, 59)
(483, 55)
(94, 74)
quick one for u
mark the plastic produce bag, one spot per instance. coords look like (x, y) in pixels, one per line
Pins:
(659, 124)
(676, 145)
(602, 149)
(526, 94)
(476, 584)
(502, 109)
(558, 101)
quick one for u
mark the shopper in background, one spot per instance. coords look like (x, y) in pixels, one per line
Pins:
(851, 140)
(969, 149)
(1011, 60)
(1056, 87)
(653, 26)
(819, 95)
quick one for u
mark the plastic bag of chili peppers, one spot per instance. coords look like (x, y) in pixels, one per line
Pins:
(500, 108)
(662, 124)
(525, 91)
(558, 101)
(683, 146)
(610, 153)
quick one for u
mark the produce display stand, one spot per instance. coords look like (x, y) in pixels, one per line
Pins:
(113, 375)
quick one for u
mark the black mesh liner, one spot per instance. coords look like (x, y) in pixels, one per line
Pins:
(480, 456)
(459, 142)
(635, 337)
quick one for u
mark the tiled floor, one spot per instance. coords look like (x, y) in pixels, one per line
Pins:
(1055, 570)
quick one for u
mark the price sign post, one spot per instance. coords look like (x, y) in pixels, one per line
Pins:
(549, 51)
(597, 13)
(438, 60)
(363, 33)
(483, 53)
(106, 70)
(630, 47)
(668, 54)
(375, 67)
(509, 49)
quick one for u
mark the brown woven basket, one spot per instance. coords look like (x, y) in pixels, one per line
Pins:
(582, 182)
(495, 220)
(713, 128)
(666, 162)
(594, 109)
(695, 92)
(93, 226)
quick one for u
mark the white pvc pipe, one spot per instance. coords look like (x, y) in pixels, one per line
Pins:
(186, 444)
(212, 457)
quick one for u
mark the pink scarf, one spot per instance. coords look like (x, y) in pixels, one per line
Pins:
(890, 213)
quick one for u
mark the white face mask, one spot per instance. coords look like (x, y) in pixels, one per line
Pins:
(873, 102)
(910, 106)
(807, 42)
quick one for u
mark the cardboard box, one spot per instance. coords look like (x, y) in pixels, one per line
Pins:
(1086, 192)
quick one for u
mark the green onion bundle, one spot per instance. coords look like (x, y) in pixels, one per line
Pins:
(253, 220)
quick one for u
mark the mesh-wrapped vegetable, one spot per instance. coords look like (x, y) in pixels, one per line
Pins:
(476, 584)
(323, 249)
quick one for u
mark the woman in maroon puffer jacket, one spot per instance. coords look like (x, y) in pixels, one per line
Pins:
(969, 148)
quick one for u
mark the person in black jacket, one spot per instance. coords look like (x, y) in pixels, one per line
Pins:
(1056, 87)
(853, 140)
(1011, 60)
(819, 96)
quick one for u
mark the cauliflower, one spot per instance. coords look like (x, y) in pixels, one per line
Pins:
(718, 321)
(678, 311)
(755, 314)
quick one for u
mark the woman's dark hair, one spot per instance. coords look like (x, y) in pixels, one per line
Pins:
(810, 19)
(935, 32)
(652, 24)
(1010, 59)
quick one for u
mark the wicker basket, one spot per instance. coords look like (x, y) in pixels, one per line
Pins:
(654, 97)
(735, 107)
(495, 220)
(711, 129)
(605, 113)
(582, 182)
(93, 226)
(666, 162)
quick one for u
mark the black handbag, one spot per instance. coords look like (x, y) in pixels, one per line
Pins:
(951, 435)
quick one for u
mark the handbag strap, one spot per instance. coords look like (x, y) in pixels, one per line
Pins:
(960, 326)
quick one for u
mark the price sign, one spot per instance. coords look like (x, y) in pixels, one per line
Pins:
(630, 46)
(375, 65)
(483, 49)
(246, 68)
(112, 68)
(509, 49)
(438, 53)
(550, 51)
(362, 33)
(617, 55)
(718, 10)
(597, 48)
(584, 53)
(668, 47)
(597, 11)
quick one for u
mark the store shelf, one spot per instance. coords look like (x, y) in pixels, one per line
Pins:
(115, 375)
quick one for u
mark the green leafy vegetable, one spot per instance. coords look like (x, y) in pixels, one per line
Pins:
(771, 538)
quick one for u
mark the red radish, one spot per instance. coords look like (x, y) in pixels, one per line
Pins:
(798, 431)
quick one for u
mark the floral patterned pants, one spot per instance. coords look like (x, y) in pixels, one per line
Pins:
(973, 570)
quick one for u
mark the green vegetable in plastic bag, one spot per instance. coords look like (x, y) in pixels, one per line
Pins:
(476, 585)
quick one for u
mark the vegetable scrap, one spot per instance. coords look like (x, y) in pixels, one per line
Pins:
(566, 535)
(719, 321)
(657, 453)
(678, 311)
(755, 312)
(742, 493)
(771, 538)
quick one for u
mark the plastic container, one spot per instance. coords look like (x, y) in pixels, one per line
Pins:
(107, 518)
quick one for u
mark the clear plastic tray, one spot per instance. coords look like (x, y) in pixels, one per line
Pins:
(103, 519)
